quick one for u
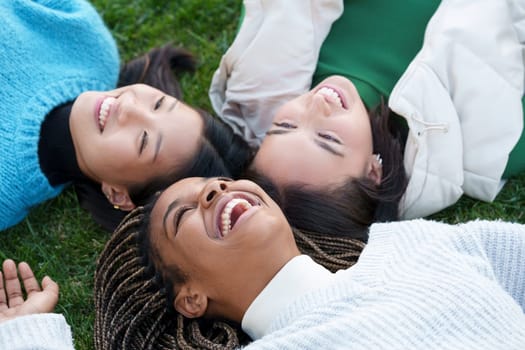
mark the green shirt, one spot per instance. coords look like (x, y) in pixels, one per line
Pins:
(372, 44)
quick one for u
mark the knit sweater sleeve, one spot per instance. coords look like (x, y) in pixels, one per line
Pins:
(271, 61)
(36, 332)
(504, 245)
(57, 50)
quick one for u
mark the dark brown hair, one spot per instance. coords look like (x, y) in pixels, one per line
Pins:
(133, 301)
(221, 152)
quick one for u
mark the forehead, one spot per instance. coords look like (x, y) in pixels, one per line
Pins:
(293, 166)
(292, 146)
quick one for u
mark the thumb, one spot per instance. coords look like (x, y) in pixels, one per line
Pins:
(50, 287)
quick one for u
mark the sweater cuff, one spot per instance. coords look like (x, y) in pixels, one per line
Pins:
(38, 331)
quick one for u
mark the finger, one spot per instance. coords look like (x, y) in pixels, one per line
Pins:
(3, 298)
(51, 290)
(28, 277)
(50, 286)
(12, 284)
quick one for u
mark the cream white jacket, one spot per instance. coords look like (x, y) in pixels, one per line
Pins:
(461, 94)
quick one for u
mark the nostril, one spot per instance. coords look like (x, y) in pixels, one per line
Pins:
(210, 196)
(222, 186)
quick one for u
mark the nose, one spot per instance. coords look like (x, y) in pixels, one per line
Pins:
(319, 106)
(130, 110)
(213, 189)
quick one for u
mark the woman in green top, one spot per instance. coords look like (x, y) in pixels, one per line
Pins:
(416, 56)
(374, 53)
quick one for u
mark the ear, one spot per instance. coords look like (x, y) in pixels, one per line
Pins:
(375, 169)
(190, 302)
(118, 196)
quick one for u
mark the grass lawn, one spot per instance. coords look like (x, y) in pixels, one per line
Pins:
(60, 240)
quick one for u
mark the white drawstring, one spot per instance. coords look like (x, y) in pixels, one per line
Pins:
(428, 126)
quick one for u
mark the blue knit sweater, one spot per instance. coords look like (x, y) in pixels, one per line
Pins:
(417, 285)
(51, 51)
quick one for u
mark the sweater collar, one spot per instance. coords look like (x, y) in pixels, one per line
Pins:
(56, 151)
(299, 276)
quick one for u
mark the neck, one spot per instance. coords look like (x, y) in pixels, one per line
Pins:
(56, 151)
(299, 276)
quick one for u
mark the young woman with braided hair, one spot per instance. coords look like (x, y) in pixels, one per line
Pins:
(130, 299)
(130, 303)
(217, 249)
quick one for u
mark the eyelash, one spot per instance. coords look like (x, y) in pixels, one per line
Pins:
(329, 138)
(159, 103)
(222, 178)
(285, 125)
(144, 141)
(178, 215)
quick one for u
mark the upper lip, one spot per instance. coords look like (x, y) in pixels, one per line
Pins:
(337, 91)
(109, 112)
(221, 204)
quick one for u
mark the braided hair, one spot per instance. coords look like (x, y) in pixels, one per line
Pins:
(131, 310)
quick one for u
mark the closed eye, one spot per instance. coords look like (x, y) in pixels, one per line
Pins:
(177, 218)
(285, 125)
(329, 137)
(159, 102)
(143, 142)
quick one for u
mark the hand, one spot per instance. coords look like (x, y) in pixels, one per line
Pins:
(12, 303)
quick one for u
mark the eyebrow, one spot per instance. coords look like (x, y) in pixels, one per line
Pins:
(277, 132)
(173, 105)
(157, 147)
(171, 207)
(328, 148)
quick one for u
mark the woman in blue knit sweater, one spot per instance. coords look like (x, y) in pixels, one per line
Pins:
(61, 121)
(217, 248)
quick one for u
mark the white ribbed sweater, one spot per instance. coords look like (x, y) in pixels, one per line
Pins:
(417, 285)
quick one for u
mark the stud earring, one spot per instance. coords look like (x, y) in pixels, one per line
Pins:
(116, 207)
(379, 159)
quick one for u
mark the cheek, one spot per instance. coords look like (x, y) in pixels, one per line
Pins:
(289, 111)
(114, 152)
(355, 132)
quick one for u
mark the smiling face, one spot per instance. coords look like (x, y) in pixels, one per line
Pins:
(132, 134)
(229, 238)
(321, 137)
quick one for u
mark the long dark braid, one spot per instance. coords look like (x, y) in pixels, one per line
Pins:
(130, 297)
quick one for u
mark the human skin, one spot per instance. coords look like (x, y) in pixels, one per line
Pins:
(12, 302)
(321, 137)
(225, 268)
(131, 135)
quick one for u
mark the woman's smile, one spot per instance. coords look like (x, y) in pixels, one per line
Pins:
(230, 208)
(334, 95)
(103, 110)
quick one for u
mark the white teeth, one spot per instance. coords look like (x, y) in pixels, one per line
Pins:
(227, 212)
(326, 91)
(104, 110)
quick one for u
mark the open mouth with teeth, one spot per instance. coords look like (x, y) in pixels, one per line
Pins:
(103, 113)
(231, 213)
(333, 95)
